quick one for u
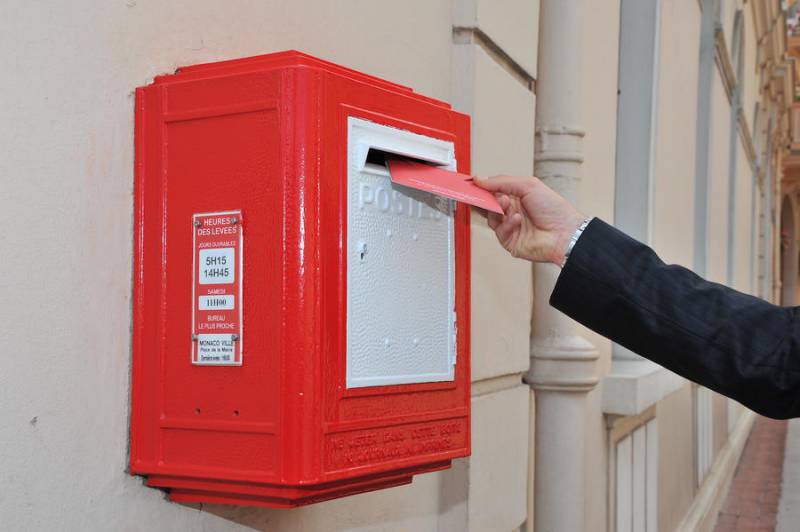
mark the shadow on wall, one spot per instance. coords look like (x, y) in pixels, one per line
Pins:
(401, 509)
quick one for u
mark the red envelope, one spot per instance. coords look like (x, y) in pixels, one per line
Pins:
(442, 182)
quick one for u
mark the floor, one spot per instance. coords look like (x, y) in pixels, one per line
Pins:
(755, 502)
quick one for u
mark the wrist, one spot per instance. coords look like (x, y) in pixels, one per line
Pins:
(573, 239)
(564, 237)
(561, 243)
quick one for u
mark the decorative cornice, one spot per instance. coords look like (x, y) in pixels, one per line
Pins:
(558, 156)
(558, 144)
(632, 386)
(575, 131)
(475, 35)
(566, 364)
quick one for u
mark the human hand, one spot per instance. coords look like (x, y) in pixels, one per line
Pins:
(538, 223)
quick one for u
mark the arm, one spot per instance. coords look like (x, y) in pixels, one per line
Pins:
(736, 344)
(733, 343)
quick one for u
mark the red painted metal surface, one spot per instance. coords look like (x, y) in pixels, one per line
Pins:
(267, 136)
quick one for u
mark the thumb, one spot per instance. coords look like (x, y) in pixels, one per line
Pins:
(516, 186)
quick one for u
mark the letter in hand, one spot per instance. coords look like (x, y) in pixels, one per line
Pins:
(538, 223)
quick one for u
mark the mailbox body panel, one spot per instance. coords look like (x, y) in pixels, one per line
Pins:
(267, 136)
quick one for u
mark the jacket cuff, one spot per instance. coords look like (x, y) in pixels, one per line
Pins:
(573, 287)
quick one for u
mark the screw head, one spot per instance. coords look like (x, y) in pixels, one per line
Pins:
(194, 338)
(198, 223)
(235, 337)
(234, 220)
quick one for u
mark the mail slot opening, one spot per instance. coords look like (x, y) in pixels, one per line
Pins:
(380, 158)
(377, 157)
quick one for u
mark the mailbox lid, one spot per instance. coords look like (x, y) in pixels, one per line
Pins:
(293, 58)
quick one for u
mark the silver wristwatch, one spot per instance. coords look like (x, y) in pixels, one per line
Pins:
(575, 236)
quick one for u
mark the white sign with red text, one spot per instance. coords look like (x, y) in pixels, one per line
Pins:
(217, 289)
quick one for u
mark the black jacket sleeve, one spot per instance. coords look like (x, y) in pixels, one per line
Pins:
(733, 343)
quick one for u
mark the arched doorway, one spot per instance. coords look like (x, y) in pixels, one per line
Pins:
(789, 258)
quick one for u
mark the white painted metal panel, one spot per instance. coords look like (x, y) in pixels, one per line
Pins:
(400, 265)
(624, 485)
(639, 482)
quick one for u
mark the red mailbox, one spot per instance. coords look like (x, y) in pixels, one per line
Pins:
(301, 323)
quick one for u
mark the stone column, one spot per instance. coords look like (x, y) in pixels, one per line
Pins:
(563, 365)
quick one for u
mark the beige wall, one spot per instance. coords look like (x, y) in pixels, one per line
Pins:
(498, 96)
(744, 254)
(717, 243)
(595, 196)
(719, 406)
(676, 125)
(595, 193)
(750, 81)
(67, 170)
(676, 485)
(673, 232)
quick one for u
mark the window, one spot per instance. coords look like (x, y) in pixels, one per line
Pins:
(635, 477)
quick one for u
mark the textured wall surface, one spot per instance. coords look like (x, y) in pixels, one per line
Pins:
(67, 183)
(676, 486)
(717, 244)
(743, 270)
(676, 125)
(595, 196)
(493, 88)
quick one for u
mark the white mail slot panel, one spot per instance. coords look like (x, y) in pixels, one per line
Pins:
(401, 264)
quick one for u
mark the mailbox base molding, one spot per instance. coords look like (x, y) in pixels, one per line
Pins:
(203, 490)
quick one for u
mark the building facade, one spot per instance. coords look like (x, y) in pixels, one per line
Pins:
(672, 119)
